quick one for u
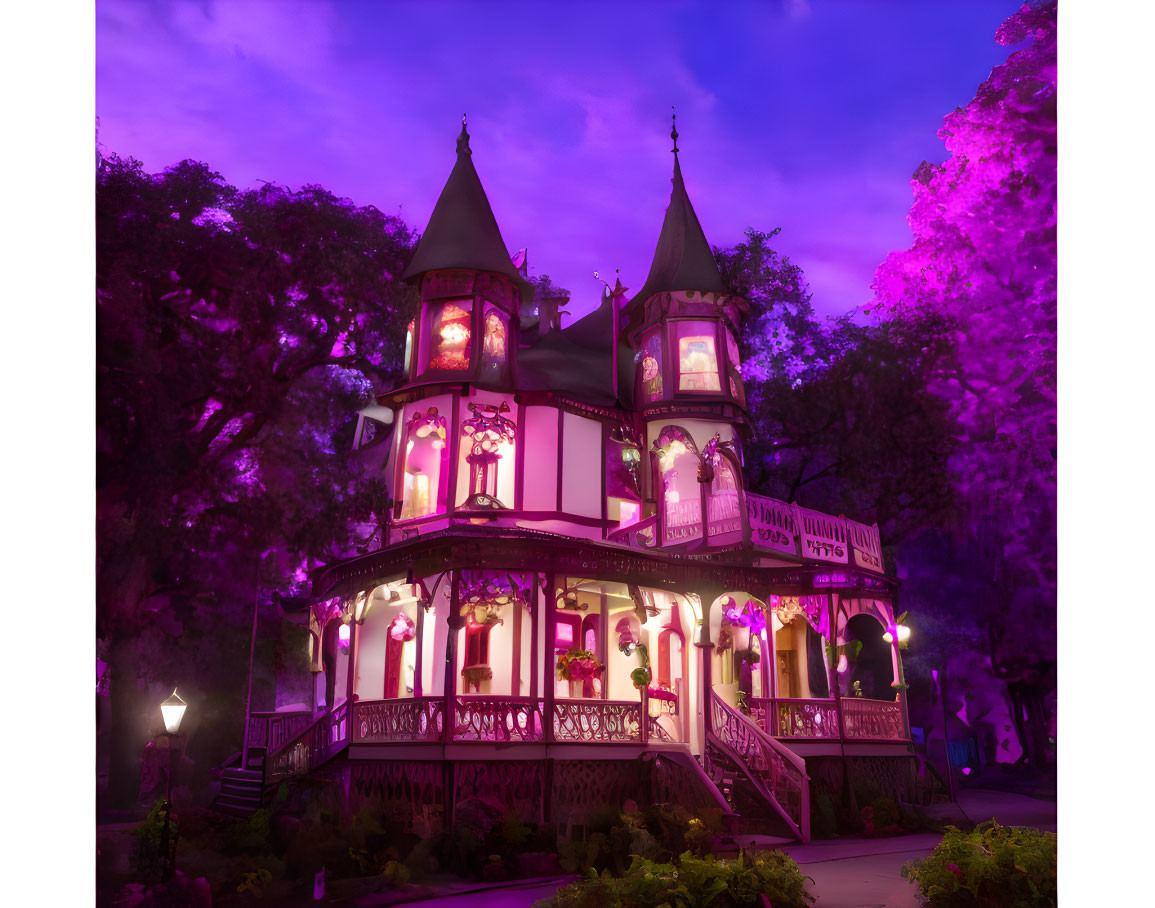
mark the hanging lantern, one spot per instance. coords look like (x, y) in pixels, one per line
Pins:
(172, 710)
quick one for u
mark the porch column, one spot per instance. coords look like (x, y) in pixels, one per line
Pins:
(419, 664)
(705, 647)
(550, 657)
(455, 622)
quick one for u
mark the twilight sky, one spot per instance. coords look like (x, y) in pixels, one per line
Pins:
(810, 115)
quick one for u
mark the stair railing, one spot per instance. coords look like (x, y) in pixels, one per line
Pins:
(781, 771)
(323, 739)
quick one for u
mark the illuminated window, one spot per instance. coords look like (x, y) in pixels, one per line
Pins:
(487, 453)
(449, 336)
(697, 357)
(426, 468)
(678, 479)
(650, 368)
(408, 347)
(493, 342)
(724, 504)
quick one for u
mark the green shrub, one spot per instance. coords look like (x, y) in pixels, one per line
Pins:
(999, 866)
(147, 845)
(823, 819)
(691, 880)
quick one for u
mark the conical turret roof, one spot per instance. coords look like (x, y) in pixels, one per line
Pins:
(462, 231)
(682, 259)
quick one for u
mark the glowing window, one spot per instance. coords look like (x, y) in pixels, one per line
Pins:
(426, 467)
(697, 357)
(408, 347)
(493, 342)
(488, 446)
(449, 337)
(678, 479)
(650, 367)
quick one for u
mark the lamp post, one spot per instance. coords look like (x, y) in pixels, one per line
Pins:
(172, 711)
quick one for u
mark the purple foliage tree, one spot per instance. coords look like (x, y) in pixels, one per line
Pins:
(984, 261)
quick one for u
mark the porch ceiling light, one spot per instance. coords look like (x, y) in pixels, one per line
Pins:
(172, 710)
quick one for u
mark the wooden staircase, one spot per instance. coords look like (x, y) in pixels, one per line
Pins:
(246, 789)
(762, 780)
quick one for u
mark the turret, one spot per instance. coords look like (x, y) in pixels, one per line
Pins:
(470, 290)
(684, 324)
(683, 321)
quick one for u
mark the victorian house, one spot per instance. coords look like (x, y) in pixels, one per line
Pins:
(576, 600)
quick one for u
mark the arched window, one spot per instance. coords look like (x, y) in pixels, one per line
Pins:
(650, 367)
(493, 344)
(426, 466)
(724, 504)
(677, 467)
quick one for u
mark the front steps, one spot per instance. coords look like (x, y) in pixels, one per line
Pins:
(242, 792)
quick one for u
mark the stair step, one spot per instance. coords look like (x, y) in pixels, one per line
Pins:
(243, 793)
(242, 774)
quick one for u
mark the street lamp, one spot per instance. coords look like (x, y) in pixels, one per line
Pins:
(172, 711)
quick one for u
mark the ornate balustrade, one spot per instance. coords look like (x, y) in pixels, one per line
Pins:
(878, 720)
(408, 719)
(782, 772)
(786, 718)
(498, 719)
(794, 530)
(312, 746)
(725, 512)
(603, 721)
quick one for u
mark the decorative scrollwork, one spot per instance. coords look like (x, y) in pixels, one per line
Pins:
(873, 719)
(597, 720)
(409, 719)
(498, 719)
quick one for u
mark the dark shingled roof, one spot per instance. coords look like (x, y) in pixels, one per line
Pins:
(682, 259)
(576, 361)
(462, 231)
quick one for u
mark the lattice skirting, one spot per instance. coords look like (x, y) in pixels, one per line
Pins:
(890, 777)
(484, 792)
(409, 788)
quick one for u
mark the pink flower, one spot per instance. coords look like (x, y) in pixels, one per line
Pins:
(953, 868)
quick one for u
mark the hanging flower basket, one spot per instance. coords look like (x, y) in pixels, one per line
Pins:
(641, 677)
(578, 665)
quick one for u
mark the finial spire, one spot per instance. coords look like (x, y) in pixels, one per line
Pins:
(463, 139)
(674, 128)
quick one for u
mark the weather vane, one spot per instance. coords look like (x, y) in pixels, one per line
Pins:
(674, 130)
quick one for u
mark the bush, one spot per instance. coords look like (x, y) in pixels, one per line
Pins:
(999, 866)
(691, 880)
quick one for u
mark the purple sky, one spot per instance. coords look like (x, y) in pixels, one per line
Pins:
(806, 115)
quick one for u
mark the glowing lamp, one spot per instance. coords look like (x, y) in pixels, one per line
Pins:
(842, 663)
(903, 633)
(172, 710)
(343, 636)
(888, 637)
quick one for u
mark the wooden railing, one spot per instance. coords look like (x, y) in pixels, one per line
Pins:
(408, 719)
(785, 718)
(602, 721)
(640, 535)
(794, 530)
(876, 720)
(272, 729)
(323, 739)
(782, 772)
(498, 719)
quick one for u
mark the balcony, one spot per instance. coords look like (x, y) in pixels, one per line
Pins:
(768, 525)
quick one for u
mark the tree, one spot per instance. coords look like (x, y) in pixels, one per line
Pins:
(237, 335)
(843, 420)
(984, 261)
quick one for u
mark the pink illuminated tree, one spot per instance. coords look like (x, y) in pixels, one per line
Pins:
(984, 261)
